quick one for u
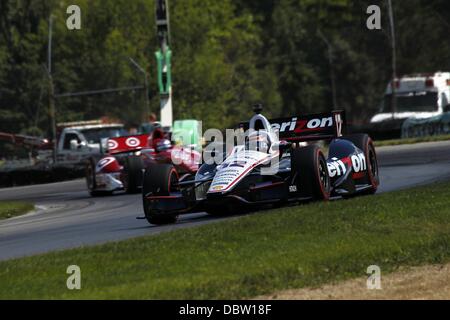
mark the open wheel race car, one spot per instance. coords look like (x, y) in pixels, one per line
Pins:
(122, 168)
(303, 172)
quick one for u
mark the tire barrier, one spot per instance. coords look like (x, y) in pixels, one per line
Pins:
(417, 128)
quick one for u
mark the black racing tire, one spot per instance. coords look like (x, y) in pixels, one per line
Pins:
(311, 170)
(90, 178)
(158, 180)
(364, 142)
(133, 174)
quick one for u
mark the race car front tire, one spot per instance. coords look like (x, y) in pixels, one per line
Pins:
(309, 166)
(91, 180)
(132, 176)
(364, 142)
(159, 180)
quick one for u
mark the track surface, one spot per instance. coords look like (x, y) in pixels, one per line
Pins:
(72, 218)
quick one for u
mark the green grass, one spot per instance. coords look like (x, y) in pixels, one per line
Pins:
(396, 142)
(13, 209)
(293, 247)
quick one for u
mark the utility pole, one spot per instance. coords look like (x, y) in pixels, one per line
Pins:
(331, 61)
(51, 89)
(146, 88)
(394, 58)
(163, 59)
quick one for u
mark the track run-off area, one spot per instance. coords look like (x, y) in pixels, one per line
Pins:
(67, 217)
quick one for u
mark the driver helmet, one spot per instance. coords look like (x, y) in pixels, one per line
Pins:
(163, 145)
(258, 141)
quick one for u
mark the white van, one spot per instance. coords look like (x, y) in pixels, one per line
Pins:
(419, 96)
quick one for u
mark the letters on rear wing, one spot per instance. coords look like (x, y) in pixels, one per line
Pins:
(324, 126)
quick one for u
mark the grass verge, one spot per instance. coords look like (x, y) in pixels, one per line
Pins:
(13, 209)
(396, 142)
(295, 247)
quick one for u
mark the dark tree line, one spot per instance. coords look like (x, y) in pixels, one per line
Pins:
(227, 55)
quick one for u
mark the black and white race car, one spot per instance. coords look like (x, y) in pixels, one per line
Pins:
(276, 165)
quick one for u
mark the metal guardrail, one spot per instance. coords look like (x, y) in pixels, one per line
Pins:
(416, 128)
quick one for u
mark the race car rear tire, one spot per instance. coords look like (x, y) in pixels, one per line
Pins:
(133, 174)
(159, 180)
(310, 167)
(364, 142)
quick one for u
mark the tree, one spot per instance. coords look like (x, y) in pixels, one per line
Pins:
(227, 56)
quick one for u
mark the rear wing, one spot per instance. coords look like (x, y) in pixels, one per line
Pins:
(128, 144)
(323, 126)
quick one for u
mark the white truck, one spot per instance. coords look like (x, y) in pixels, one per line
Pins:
(418, 96)
(76, 142)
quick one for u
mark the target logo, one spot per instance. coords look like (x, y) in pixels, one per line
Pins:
(132, 142)
(112, 145)
(105, 162)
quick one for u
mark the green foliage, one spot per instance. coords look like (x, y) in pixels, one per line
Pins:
(227, 55)
(13, 209)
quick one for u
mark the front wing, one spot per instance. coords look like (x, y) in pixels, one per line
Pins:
(194, 199)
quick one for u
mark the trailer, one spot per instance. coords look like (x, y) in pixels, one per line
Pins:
(416, 97)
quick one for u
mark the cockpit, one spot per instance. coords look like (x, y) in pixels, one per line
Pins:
(258, 141)
(260, 136)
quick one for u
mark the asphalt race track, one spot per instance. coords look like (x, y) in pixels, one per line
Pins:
(68, 217)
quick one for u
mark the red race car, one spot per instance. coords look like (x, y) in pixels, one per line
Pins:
(122, 168)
